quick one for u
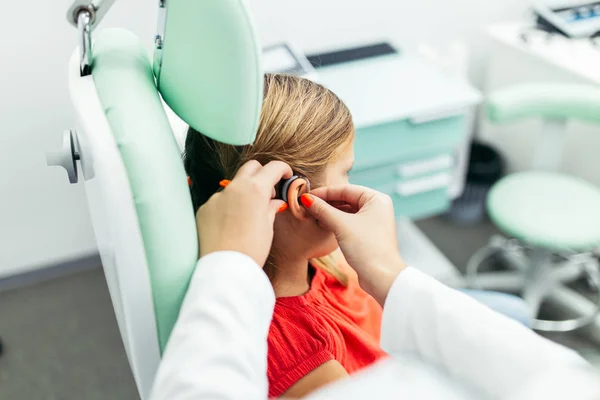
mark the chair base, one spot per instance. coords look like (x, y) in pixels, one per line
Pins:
(540, 275)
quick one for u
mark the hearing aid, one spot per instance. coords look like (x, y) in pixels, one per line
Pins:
(283, 187)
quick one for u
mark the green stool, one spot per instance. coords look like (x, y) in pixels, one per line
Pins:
(552, 219)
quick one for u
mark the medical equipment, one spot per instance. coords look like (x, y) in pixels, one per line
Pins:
(572, 20)
(560, 60)
(130, 162)
(286, 59)
(553, 219)
(282, 189)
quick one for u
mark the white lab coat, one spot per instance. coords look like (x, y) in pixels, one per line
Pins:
(444, 345)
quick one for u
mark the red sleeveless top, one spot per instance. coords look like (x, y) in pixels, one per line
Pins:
(329, 322)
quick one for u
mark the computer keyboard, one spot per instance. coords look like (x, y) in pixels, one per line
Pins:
(352, 54)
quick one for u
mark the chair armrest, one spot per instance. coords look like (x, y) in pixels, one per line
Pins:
(548, 101)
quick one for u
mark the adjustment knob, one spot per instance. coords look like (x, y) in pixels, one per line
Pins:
(67, 156)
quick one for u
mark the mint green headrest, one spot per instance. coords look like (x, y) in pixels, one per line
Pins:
(551, 100)
(209, 71)
(125, 85)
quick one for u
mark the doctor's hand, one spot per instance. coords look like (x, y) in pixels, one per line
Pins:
(240, 217)
(364, 224)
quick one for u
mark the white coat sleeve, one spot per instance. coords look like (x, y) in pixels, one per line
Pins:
(218, 347)
(482, 348)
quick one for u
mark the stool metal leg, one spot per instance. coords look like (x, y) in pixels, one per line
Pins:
(537, 277)
(540, 279)
(512, 280)
(571, 302)
(546, 279)
(504, 281)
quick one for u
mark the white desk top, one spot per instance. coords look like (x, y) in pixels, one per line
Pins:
(578, 56)
(390, 88)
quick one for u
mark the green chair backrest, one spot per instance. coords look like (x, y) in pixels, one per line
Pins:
(125, 85)
(545, 100)
(208, 71)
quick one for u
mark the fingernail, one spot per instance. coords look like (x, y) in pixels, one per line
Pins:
(189, 181)
(283, 207)
(224, 183)
(306, 200)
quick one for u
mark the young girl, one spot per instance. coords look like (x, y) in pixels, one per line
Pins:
(324, 326)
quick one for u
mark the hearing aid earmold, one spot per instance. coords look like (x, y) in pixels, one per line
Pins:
(283, 187)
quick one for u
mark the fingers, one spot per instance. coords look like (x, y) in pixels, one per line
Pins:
(278, 206)
(347, 208)
(327, 215)
(272, 173)
(248, 170)
(342, 205)
(264, 177)
(353, 195)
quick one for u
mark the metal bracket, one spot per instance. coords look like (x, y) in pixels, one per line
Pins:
(159, 38)
(96, 8)
(85, 15)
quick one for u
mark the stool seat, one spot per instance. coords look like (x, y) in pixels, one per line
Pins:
(546, 209)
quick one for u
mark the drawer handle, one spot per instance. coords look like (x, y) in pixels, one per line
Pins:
(425, 166)
(417, 186)
(425, 118)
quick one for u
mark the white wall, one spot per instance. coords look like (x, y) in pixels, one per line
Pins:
(319, 24)
(514, 65)
(43, 219)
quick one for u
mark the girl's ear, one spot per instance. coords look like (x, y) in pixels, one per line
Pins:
(297, 188)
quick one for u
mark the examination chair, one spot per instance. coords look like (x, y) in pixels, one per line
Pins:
(207, 69)
(552, 219)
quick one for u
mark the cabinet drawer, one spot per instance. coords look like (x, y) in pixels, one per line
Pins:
(383, 144)
(424, 166)
(420, 197)
(423, 205)
(403, 170)
(374, 177)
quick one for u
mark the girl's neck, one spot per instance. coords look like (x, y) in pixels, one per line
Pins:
(292, 277)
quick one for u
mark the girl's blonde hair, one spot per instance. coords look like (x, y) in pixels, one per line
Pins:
(302, 124)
